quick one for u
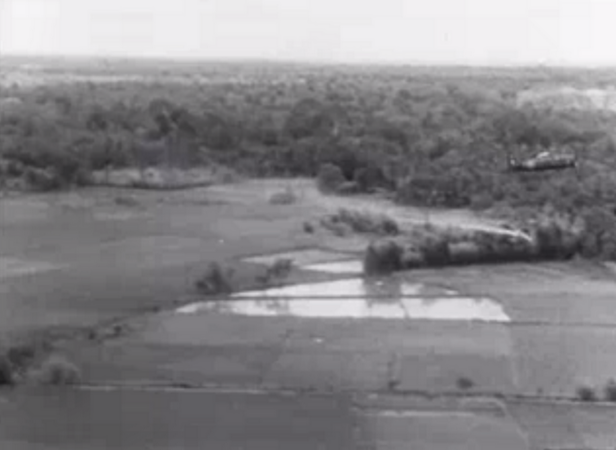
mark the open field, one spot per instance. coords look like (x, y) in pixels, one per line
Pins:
(174, 418)
(547, 355)
(73, 261)
(101, 253)
(131, 419)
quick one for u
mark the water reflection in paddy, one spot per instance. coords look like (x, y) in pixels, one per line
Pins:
(355, 287)
(351, 267)
(357, 299)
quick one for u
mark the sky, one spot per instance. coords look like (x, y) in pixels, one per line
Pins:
(469, 32)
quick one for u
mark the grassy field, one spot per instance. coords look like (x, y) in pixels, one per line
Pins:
(82, 257)
(121, 261)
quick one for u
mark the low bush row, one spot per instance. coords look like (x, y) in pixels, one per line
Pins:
(588, 394)
(428, 247)
(359, 221)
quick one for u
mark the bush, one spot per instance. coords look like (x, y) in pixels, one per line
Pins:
(348, 188)
(276, 272)
(465, 383)
(496, 247)
(125, 200)
(435, 251)
(281, 268)
(365, 222)
(329, 178)
(382, 258)
(308, 227)
(412, 258)
(464, 252)
(58, 371)
(7, 375)
(481, 201)
(286, 197)
(610, 391)
(215, 281)
(11, 168)
(334, 225)
(21, 356)
(370, 178)
(42, 180)
(586, 394)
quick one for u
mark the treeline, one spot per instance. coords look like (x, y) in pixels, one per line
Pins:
(437, 139)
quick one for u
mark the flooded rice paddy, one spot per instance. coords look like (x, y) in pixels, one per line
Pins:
(356, 299)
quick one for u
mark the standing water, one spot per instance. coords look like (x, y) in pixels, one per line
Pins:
(356, 299)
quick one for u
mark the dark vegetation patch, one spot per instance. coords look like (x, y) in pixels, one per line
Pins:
(465, 383)
(361, 222)
(285, 197)
(330, 178)
(33, 359)
(610, 391)
(586, 394)
(308, 227)
(382, 258)
(216, 280)
(552, 238)
(7, 374)
(126, 200)
(275, 273)
(221, 279)
(57, 370)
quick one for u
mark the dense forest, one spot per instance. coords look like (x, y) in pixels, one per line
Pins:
(432, 137)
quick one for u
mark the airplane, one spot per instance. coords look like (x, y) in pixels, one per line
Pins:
(544, 161)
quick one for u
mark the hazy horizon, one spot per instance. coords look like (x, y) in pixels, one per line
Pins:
(566, 33)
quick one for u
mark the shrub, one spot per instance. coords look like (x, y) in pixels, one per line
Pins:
(7, 375)
(58, 371)
(366, 222)
(21, 356)
(82, 177)
(412, 258)
(348, 188)
(329, 178)
(382, 258)
(610, 391)
(215, 281)
(42, 180)
(481, 201)
(308, 227)
(496, 247)
(285, 197)
(435, 251)
(13, 168)
(367, 179)
(465, 383)
(276, 272)
(281, 268)
(335, 226)
(586, 394)
(124, 200)
(598, 238)
(464, 252)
